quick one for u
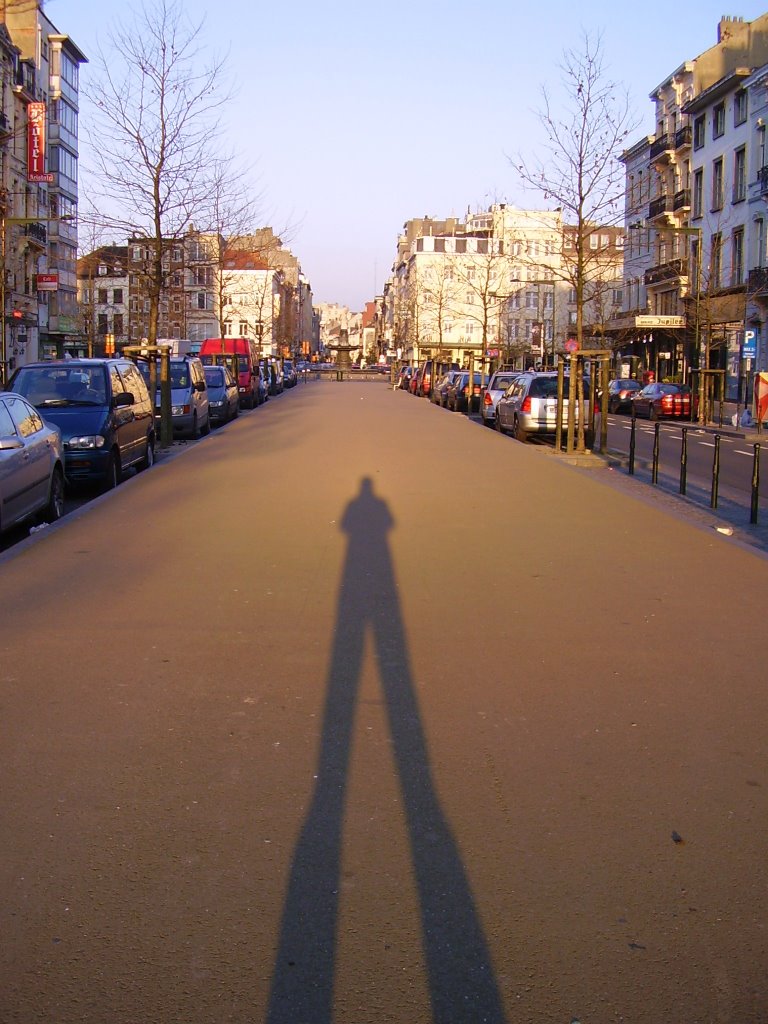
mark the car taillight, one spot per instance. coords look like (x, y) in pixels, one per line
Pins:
(487, 400)
(526, 406)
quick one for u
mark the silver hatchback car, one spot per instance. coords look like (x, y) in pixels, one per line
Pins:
(529, 406)
(497, 385)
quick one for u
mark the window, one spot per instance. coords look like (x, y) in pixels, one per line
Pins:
(177, 305)
(176, 254)
(716, 261)
(605, 241)
(531, 300)
(699, 129)
(469, 328)
(117, 296)
(740, 175)
(759, 242)
(737, 257)
(740, 107)
(103, 325)
(243, 328)
(117, 327)
(698, 193)
(102, 297)
(717, 184)
(761, 151)
(133, 304)
(718, 120)
(136, 253)
(593, 241)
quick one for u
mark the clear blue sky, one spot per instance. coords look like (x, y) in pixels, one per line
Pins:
(356, 116)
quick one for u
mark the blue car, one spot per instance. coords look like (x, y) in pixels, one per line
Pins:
(102, 409)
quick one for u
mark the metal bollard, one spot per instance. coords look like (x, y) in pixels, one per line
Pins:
(655, 470)
(684, 461)
(631, 467)
(755, 484)
(715, 473)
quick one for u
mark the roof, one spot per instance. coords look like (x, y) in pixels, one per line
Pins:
(245, 261)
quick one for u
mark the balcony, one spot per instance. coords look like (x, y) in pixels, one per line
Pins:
(762, 180)
(37, 234)
(672, 270)
(683, 137)
(663, 147)
(660, 208)
(758, 281)
(682, 200)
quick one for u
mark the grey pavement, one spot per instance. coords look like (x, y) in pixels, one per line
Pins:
(356, 712)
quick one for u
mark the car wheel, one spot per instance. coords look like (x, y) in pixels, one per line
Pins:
(236, 412)
(55, 508)
(195, 428)
(497, 424)
(652, 414)
(112, 475)
(520, 434)
(149, 459)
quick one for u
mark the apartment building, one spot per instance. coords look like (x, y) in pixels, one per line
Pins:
(254, 300)
(103, 286)
(755, 342)
(48, 85)
(688, 237)
(498, 287)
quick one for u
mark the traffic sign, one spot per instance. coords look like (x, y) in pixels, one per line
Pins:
(571, 345)
(749, 347)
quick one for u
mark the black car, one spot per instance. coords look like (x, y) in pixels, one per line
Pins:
(102, 409)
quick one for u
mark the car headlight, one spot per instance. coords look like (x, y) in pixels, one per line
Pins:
(178, 410)
(87, 441)
(216, 405)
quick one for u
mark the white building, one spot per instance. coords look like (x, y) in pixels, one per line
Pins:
(253, 300)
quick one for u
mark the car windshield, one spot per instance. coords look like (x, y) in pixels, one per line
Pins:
(62, 385)
(502, 381)
(214, 376)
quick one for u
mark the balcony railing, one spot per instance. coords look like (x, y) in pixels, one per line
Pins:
(682, 200)
(669, 271)
(683, 137)
(762, 177)
(662, 145)
(659, 206)
(36, 232)
(758, 281)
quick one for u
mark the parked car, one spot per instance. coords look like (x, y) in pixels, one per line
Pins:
(223, 394)
(31, 464)
(440, 390)
(621, 393)
(102, 409)
(274, 376)
(457, 393)
(529, 406)
(497, 385)
(663, 401)
(189, 396)
(290, 377)
(404, 377)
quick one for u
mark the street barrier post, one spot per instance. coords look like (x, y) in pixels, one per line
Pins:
(684, 461)
(715, 473)
(631, 467)
(755, 485)
(655, 469)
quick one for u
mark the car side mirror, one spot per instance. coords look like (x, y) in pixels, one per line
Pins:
(123, 399)
(10, 444)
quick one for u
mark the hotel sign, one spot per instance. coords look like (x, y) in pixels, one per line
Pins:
(36, 144)
(660, 321)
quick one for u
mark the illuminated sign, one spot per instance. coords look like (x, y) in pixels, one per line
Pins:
(36, 144)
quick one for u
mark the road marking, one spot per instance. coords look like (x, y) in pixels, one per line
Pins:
(738, 451)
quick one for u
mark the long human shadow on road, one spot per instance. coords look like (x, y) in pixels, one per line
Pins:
(461, 981)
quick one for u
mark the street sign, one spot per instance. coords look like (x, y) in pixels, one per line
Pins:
(749, 347)
(571, 345)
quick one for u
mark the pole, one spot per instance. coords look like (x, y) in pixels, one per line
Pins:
(715, 473)
(684, 461)
(3, 342)
(655, 466)
(755, 485)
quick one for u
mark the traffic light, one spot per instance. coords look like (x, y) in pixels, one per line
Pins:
(109, 344)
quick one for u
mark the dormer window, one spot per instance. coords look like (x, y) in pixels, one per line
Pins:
(102, 270)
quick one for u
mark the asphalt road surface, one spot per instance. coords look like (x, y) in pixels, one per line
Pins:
(358, 712)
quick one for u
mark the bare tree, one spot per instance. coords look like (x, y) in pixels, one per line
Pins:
(580, 171)
(156, 96)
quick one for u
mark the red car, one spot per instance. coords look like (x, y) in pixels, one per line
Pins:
(663, 401)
